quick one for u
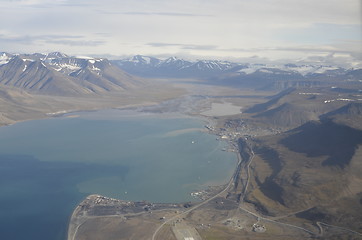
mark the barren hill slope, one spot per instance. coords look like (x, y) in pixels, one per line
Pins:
(317, 165)
(294, 107)
(350, 114)
(57, 74)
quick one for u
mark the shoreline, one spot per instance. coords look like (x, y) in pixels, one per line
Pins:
(209, 192)
(207, 120)
(62, 113)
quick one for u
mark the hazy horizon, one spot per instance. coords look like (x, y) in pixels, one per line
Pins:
(260, 31)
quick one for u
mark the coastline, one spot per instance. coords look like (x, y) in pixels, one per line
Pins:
(210, 192)
(62, 113)
(134, 107)
(79, 216)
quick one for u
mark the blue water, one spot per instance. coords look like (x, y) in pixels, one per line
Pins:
(48, 166)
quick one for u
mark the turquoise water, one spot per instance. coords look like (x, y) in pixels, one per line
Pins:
(48, 166)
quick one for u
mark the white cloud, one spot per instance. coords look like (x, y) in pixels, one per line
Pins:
(229, 28)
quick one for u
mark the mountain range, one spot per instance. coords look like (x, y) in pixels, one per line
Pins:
(59, 74)
(173, 67)
(256, 76)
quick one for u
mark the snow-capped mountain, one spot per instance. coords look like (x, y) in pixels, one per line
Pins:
(174, 63)
(55, 55)
(178, 68)
(215, 65)
(139, 60)
(172, 67)
(60, 74)
(56, 73)
(4, 58)
(290, 69)
(262, 76)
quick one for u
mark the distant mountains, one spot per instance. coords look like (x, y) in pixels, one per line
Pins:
(58, 74)
(173, 67)
(261, 76)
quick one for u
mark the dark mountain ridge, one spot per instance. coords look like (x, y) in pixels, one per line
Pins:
(353, 109)
(59, 74)
(325, 138)
(256, 76)
(287, 115)
(313, 170)
(85, 75)
(172, 67)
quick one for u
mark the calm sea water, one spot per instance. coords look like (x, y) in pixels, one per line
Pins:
(48, 166)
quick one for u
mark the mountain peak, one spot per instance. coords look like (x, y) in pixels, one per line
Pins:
(58, 74)
(4, 58)
(56, 55)
(234, 72)
(171, 59)
(140, 59)
(84, 57)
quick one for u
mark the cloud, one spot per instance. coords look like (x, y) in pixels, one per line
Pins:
(19, 39)
(172, 14)
(46, 3)
(230, 28)
(71, 40)
(305, 49)
(311, 50)
(168, 14)
(77, 43)
(184, 46)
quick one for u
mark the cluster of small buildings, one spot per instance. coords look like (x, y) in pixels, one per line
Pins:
(209, 127)
(106, 200)
(199, 194)
(259, 228)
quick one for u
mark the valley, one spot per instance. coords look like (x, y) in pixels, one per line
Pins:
(298, 176)
(35, 86)
(296, 131)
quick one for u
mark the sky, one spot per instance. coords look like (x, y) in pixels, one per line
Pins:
(253, 30)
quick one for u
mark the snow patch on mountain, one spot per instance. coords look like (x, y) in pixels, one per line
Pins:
(95, 69)
(4, 58)
(54, 55)
(309, 69)
(324, 69)
(287, 69)
(251, 68)
(84, 57)
(266, 71)
(248, 70)
(141, 59)
(27, 60)
(70, 66)
(213, 65)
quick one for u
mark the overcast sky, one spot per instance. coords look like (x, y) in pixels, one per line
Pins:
(226, 29)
